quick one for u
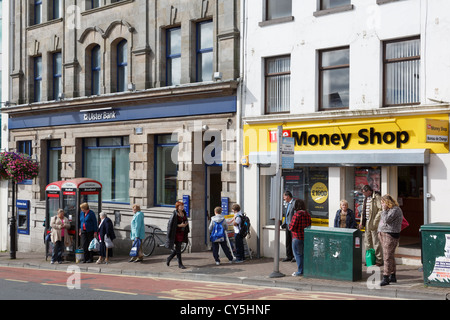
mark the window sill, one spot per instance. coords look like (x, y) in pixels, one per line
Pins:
(275, 21)
(325, 12)
(105, 7)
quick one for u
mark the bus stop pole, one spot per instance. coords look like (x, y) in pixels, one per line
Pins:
(277, 207)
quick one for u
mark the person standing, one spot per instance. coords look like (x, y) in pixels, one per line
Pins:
(177, 233)
(87, 230)
(370, 219)
(220, 220)
(105, 229)
(345, 217)
(137, 231)
(238, 238)
(60, 235)
(288, 214)
(300, 221)
(389, 234)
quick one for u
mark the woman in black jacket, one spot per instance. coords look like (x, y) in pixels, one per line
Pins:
(177, 233)
(105, 229)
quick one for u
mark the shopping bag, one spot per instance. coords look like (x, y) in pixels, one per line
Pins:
(108, 242)
(405, 223)
(94, 245)
(370, 257)
(134, 252)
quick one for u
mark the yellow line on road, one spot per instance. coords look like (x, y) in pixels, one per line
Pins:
(54, 284)
(120, 292)
(15, 280)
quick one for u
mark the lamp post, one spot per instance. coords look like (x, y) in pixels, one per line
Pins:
(12, 224)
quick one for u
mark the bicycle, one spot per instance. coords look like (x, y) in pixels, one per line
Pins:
(156, 238)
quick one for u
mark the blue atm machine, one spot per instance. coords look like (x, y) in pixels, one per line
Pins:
(23, 216)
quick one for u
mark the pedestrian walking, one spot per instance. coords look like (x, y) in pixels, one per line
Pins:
(300, 221)
(105, 236)
(87, 231)
(137, 231)
(389, 234)
(238, 238)
(345, 217)
(177, 233)
(218, 227)
(59, 235)
(370, 219)
(287, 216)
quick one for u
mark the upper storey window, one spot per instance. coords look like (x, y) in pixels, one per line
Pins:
(173, 56)
(276, 9)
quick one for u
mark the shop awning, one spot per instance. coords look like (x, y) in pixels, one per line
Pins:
(350, 157)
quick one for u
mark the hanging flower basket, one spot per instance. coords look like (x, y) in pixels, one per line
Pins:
(17, 167)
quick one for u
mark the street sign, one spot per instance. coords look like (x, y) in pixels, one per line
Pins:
(287, 153)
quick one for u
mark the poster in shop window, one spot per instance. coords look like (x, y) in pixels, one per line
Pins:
(365, 176)
(318, 193)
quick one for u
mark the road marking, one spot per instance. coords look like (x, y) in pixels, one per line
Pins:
(120, 292)
(53, 284)
(15, 280)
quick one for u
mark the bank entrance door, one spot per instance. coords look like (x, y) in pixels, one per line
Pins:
(410, 199)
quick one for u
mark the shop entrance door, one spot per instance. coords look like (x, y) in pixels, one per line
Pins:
(410, 199)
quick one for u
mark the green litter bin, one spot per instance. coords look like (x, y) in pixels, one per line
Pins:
(333, 253)
(436, 254)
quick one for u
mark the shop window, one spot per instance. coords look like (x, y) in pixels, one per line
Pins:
(334, 80)
(204, 51)
(311, 185)
(166, 169)
(356, 178)
(54, 151)
(107, 160)
(402, 72)
(122, 66)
(173, 56)
(57, 76)
(278, 84)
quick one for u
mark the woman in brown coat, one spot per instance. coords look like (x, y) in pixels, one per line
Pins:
(60, 235)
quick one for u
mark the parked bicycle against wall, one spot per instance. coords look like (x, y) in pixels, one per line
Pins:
(156, 238)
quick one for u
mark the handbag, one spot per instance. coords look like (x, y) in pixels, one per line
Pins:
(134, 252)
(94, 245)
(108, 242)
(405, 223)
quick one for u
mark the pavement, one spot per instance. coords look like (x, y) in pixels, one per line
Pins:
(200, 266)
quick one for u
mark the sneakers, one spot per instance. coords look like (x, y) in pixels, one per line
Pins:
(217, 263)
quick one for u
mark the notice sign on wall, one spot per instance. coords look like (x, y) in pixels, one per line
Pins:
(436, 130)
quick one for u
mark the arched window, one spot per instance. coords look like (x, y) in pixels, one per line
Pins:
(95, 69)
(122, 64)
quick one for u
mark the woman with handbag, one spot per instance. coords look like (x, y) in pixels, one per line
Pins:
(389, 235)
(177, 233)
(137, 231)
(106, 236)
(60, 235)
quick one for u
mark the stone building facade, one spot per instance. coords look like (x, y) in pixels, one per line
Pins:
(140, 95)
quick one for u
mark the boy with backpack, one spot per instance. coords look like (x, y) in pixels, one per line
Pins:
(218, 227)
(238, 234)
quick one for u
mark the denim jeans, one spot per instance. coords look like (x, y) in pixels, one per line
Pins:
(297, 248)
(58, 249)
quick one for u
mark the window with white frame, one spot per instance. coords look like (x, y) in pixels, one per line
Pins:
(57, 75)
(277, 84)
(37, 64)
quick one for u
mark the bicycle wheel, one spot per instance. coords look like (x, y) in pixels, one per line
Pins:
(148, 245)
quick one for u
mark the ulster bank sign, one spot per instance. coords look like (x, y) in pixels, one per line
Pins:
(388, 133)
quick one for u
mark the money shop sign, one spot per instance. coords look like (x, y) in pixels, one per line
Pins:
(389, 133)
